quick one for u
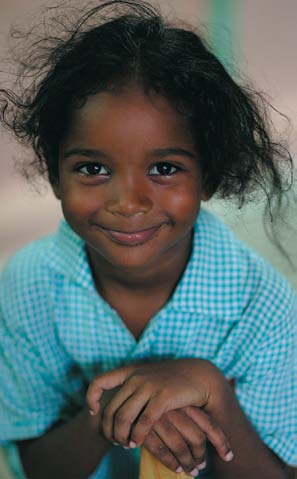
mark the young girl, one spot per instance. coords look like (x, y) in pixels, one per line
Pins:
(143, 320)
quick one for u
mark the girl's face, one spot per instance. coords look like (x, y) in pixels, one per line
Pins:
(129, 179)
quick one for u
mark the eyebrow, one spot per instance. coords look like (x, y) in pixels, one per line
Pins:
(158, 152)
(163, 152)
(88, 152)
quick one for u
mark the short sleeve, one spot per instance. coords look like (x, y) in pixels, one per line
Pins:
(28, 401)
(267, 389)
(36, 385)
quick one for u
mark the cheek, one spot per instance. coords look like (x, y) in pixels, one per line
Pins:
(185, 203)
(81, 202)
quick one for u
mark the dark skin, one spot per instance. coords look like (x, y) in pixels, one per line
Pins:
(74, 450)
(69, 451)
(135, 305)
(149, 391)
(130, 186)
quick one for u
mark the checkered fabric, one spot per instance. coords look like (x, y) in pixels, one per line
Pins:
(229, 307)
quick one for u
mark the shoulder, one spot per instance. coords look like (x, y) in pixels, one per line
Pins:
(25, 288)
(39, 277)
(29, 265)
(234, 275)
(43, 261)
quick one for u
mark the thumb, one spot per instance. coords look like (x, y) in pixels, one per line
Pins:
(104, 382)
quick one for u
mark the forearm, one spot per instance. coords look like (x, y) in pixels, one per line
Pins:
(251, 456)
(72, 450)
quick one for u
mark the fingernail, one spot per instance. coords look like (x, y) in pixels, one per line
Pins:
(132, 445)
(125, 447)
(91, 412)
(202, 466)
(195, 472)
(229, 456)
(115, 443)
(179, 470)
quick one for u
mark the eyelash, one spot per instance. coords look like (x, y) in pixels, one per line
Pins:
(91, 165)
(99, 166)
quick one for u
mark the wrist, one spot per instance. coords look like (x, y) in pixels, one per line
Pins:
(218, 390)
(207, 379)
(222, 398)
(91, 425)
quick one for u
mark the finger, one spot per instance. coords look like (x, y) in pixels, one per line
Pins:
(157, 447)
(123, 393)
(105, 381)
(213, 432)
(110, 410)
(177, 444)
(191, 434)
(147, 418)
(119, 422)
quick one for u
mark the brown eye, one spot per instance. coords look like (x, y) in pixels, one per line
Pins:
(163, 169)
(93, 169)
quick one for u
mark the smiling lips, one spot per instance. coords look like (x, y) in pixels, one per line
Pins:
(133, 238)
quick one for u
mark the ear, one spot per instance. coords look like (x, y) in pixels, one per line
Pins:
(206, 190)
(205, 196)
(56, 189)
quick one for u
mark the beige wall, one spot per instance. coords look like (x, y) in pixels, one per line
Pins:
(266, 47)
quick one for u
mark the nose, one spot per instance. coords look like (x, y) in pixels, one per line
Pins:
(128, 198)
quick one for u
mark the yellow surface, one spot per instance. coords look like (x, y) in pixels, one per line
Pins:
(151, 468)
(5, 472)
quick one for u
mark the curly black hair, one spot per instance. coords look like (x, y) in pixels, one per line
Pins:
(120, 41)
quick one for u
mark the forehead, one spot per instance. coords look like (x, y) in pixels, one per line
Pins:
(128, 113)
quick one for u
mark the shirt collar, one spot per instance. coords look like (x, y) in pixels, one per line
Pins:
(209, 285)
(69, 256)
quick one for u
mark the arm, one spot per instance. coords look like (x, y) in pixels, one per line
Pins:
(151, 390)
(70, 451)
(251, 457)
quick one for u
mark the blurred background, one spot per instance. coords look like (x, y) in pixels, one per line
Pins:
(259, 38)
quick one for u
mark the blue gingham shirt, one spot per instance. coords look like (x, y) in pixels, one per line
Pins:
(57, 333)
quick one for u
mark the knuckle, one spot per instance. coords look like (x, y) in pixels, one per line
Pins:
(181, 450)
(134, 380)
(163, 452)
(145, 420)
(120, 418)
